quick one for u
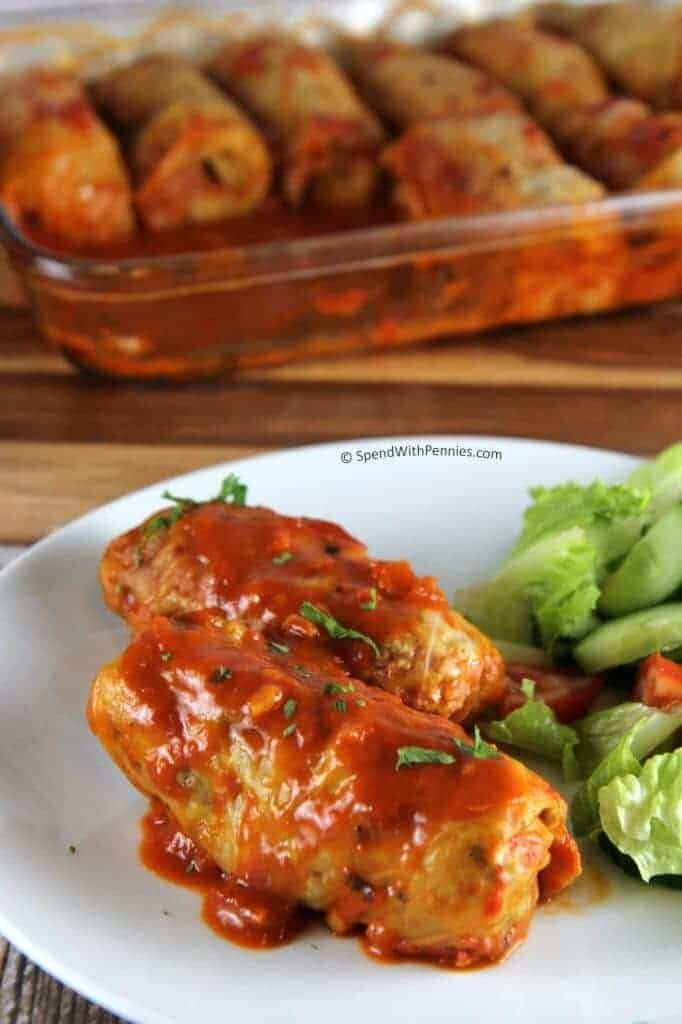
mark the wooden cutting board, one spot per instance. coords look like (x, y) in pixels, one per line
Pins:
(69, 442)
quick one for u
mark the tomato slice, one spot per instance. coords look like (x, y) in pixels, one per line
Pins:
(659, 682)
(569, 694)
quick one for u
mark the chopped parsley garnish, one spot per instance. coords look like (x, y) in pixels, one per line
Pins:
(421, 755)
(232, 492)
(361, 703)
(160, 522)
(333, 689)
(528, 688)
(370, 604)
(425, 755)
(480, 749)
(278, 648)
(302, 669)
(181, 504)
(289, 729)
(220, 674)
(166, 655)
(282, 559)
(290, 707)
(334, 628)
(341, 706)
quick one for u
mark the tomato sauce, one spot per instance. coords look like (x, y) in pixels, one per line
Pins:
(260, 676)
(260, 920)
(235, 911)
(257, 565)
(307, 577)
(273, 221)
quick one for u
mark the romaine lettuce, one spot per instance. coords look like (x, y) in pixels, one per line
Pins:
(642, 732)
(609, 514)
(641, 813)
(548, 588)
(601, 731)
(534, 727)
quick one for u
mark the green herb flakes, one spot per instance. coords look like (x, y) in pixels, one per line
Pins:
(290, 707)
(480, 748)
(335, 629)
(421, 755)
(282, 559)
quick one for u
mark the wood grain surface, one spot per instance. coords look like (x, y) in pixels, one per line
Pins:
(70, 442)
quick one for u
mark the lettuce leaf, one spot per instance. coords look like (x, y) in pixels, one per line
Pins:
(601, 731)
(549, 588)
(534, 727)
(610, 515)
(624, 739)
(564, 596)
(641, 813)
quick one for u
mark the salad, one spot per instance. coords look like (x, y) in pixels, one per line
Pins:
(587, 610)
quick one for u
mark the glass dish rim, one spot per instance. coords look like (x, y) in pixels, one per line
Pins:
(360, 246)
(356, 247)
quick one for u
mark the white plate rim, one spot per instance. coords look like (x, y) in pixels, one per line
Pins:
(80, 980)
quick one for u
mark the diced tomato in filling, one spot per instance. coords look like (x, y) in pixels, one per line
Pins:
(659, 682)
(569, 694)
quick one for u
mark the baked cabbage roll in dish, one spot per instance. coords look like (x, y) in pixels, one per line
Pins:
(638, 45)
(197, 157)
(620, 141)
(309, 788)
(406, 85)
(552, 75)
(625, 144)
(60, 168)
(471, 165)
(327, 138)
(308, 577)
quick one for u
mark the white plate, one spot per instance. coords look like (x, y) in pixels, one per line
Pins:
(95, 918)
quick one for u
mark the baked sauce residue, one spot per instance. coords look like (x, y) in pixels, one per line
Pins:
(273, 221)
(241, 915)
(590, 889)
(234, 910)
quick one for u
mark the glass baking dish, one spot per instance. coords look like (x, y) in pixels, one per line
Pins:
(200, 314)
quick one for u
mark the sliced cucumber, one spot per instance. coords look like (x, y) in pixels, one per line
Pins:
(663, 478)
(631, 638)
(522, 654)
(651, 571)
(612, 540)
